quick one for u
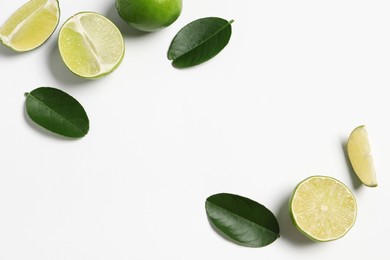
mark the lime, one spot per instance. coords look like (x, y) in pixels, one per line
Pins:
(149, 15)
(323, 208)
(90, 45)
(359, 153)
(31, 25)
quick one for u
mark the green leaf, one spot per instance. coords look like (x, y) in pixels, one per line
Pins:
(199, 41)
(57, 111)
(242, 220)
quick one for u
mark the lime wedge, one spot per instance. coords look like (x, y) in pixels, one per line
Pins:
(359, 153)
(90, 45)
(31, 25)
(323, 208)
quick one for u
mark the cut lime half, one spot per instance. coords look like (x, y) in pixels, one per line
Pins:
(360, 156)
(323, 208)
(31, 25)
(90, 45)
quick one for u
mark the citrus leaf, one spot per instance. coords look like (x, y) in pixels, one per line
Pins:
(199, 41)
(242, 220)
(57, 111)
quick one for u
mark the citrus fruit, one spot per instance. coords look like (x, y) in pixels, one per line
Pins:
(90, 45)
(359, 153)
(31, 25)
(149, 15)
(323, 208)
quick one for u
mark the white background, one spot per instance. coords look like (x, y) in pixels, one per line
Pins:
(274, 107)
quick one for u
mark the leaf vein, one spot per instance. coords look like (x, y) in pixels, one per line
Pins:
(52, 110)
(205, 40)
(244, 219)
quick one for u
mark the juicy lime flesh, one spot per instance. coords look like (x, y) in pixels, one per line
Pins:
(31, 25)
(323, 208)
(360, 156)
(149, 15)
(90, 45)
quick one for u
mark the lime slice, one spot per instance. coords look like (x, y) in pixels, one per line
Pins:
(323, 208)
(90, 45)
(31, 25)
(359, 153)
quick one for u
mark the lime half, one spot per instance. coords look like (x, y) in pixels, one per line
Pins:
(323, 208)
(31, 25)
(90, 45)
(359, 153)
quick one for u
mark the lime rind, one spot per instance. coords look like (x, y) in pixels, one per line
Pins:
(149, 15)
(25, 30)
(310, 235)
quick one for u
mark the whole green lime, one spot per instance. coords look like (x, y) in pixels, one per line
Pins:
(149, 15)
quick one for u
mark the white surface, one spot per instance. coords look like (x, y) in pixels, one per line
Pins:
(275, 107)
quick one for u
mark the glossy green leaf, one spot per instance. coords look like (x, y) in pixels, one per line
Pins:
(242, 220)
(57, 111)
(199, 41)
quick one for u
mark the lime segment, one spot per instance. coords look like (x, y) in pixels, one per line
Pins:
(90, 45)
(360, 156)
(323, 208)
(31, 25)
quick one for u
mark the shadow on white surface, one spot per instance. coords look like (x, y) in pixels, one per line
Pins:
(5, 51)
(287, 230)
